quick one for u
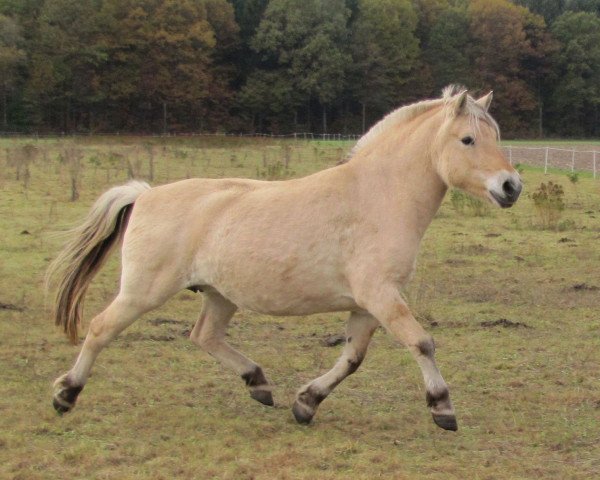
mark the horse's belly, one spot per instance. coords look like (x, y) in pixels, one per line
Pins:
(283, 291)
(290, 303)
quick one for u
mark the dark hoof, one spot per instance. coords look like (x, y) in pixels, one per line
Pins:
(263, 396)
(302, 413)
(65, 395)
(447, 422)
(59, 407)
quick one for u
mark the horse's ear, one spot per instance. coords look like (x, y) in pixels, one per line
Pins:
(460, 103)
(484, 102)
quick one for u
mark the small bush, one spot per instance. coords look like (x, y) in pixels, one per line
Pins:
(573, 177)
(549, 204)
(274, 171)
(468, 205)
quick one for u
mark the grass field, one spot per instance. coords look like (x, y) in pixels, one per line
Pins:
(514, 309)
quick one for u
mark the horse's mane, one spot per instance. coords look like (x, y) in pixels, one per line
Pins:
(409, 112)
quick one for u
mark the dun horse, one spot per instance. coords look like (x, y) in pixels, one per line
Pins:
(342, 239)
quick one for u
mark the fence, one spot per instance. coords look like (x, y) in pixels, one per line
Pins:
(582, 158)
(552, 157)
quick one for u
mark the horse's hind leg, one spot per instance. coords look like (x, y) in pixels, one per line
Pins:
(121, 313)
(359, 331)
(209, 334)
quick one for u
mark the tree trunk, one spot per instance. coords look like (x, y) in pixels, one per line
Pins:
(308, 115)
(164, 104)
(541, 119)
(364, 112)
(324, 119)
(295, 120)
(540, 112)
(4, 112)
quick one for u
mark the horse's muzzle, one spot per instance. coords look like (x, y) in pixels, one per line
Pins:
(507, 191)
(510, 193)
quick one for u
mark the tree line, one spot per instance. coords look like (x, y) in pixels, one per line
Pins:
(293, 65)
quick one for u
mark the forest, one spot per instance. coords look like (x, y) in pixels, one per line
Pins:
(281, 66)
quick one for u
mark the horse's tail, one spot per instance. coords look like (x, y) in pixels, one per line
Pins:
(84, 254)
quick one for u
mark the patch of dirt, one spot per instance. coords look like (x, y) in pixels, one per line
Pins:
(133, 337)
(584, 287)
(333, 340)
(474, 249)
(10, 306)
(503, 322)
(457, 261)
(493, 235)
(186, 332)
(430, 321)
(165, 321)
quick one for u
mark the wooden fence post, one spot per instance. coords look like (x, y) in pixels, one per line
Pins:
(546, 162)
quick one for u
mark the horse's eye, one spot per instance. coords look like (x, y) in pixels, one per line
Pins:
(468, 141)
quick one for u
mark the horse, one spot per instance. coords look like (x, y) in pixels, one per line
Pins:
(342, 239)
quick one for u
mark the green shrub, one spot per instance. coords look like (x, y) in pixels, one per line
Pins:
(274, 171)
(549, 204)
(468, 205)
(573, 177)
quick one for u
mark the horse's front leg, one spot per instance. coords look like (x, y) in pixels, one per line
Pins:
(387, 305)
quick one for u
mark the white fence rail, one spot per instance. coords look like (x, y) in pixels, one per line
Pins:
(553, 157)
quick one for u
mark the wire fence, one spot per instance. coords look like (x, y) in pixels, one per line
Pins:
(573, 159)
(578, 158)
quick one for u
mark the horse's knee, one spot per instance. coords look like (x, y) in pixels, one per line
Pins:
(426, 346)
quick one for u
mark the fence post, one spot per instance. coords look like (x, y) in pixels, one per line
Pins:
(510, 154)
(546, 162)
(573, 161)
(594, 163)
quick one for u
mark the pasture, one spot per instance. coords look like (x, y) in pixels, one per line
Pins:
(513, 307)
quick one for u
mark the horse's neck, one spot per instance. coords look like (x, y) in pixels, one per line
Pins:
(400, 180)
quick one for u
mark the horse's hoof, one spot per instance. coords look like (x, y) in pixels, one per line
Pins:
(447, 422)
(302, 413)
(65, 395)
(263, 396)
(60, 407)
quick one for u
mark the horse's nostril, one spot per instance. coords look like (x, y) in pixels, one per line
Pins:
(508, 188)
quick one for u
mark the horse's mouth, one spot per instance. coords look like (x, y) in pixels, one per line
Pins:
(501, 201)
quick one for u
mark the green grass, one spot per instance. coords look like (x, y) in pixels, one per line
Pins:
(527, 399)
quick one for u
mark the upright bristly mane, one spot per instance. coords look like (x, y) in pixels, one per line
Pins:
(409, 112)
(475, 111)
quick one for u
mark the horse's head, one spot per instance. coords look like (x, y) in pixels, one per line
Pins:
(467, 151)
